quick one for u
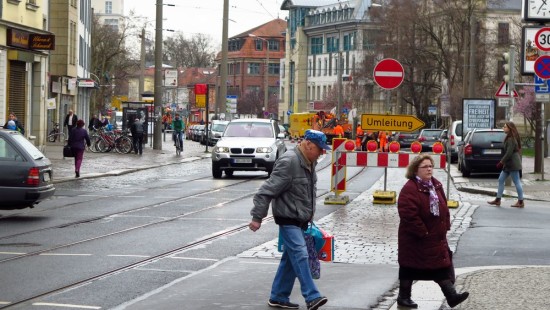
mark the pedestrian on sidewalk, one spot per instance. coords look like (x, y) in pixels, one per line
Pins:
(14, 124)
(292, 189)
(137, 136)
(510, 165)
(70, 122)
(423, 250)
(77, 138)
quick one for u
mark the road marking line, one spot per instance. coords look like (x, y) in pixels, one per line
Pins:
(124, 255)
(64, 254)
(64, 305)
(193, 258)
(12, 253)
(165, 270)
(4, 302)
(128, 196)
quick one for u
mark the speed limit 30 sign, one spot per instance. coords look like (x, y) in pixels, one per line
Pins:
(542, 39)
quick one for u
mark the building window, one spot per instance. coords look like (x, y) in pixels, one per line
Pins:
(349, 42)
(325, 67)
(316, 45)
(253, 68)
(274, 68)
(273, 45)
(309, 67)
(259, 45)
(253, 89)
(234, 45)
(108, 7)
(72, 43)
(332, 44)
(319, 67)
(503, 33)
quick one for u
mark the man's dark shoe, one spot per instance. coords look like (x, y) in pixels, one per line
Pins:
(316, 303)
(282, 304)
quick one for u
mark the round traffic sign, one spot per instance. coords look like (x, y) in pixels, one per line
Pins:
(388, 73)
(542, 67)
(542, 39)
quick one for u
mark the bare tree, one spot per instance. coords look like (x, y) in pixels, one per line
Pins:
(110, 62)
(185, 53)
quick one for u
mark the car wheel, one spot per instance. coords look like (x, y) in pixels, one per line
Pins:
(216, 171)
(466, 172)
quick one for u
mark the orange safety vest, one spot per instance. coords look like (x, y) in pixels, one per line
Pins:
(338, 130)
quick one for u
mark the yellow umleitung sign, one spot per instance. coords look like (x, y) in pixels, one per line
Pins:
(387, 122)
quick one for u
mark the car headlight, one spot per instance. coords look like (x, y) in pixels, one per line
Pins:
(264, 150)
(221, 149)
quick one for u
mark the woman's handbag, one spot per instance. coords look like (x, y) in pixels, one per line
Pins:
(67, 152)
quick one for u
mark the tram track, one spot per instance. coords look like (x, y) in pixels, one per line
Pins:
(27, 301)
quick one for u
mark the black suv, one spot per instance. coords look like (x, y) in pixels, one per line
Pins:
(480, 151)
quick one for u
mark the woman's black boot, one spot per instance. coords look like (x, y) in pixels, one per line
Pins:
(453, 298)
(404, 297)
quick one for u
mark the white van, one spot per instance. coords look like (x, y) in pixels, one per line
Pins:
(455, 135)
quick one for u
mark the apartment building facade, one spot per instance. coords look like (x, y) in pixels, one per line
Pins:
(254, 58)
(24, 46)
(324, 37)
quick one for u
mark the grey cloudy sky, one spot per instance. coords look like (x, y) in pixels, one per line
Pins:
(205, 16)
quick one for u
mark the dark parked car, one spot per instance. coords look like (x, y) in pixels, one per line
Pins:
(480, 151)
(26, 177)
(406, 138)
(428, 137)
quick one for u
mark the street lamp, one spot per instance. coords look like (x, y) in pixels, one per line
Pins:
(266, 72)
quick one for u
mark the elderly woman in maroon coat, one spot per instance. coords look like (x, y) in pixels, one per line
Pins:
(424, 253)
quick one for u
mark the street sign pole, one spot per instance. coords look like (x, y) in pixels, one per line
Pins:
(511, 86)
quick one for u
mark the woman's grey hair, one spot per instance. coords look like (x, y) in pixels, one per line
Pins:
(412, 169)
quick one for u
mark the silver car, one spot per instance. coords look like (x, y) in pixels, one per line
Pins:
(248, 145)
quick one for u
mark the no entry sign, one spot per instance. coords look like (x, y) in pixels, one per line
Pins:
(388, 73)
(542, 67)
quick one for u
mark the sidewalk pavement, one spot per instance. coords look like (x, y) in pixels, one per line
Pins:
(104, 164)
(364, 274)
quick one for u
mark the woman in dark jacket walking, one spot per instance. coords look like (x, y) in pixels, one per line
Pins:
(78, 136)
(423, 250)
(510, 164)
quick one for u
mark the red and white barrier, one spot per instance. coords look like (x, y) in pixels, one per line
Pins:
(338, 176)
(390, 160)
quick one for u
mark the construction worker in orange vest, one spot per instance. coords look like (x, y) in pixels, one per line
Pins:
(358, 137)
(338, 130)
(383, 141)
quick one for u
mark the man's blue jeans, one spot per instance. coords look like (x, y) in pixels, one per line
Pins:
(294, 264)
(515, 178)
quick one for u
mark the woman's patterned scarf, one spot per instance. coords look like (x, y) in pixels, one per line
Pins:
(434, 200)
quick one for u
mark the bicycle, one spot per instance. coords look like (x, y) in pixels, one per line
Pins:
(527, 142)
(108, 140)
(55, 133)
(179, 147)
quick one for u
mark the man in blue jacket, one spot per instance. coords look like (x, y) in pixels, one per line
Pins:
(291, 189)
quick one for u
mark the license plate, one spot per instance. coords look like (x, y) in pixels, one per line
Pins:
(47, 177)
(492, 152)
(242, 160)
